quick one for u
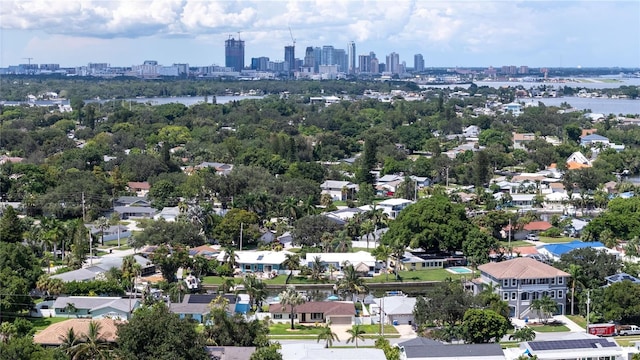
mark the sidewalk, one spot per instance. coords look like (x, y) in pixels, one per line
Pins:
(573, 327)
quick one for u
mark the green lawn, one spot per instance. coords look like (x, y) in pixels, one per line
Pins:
(373, 331)
(549, 328)
(42, 323)
(509, 344)
(579, 320)
(370, 249)
(550, 240)
(217, 280)
(627, 340)
(418, 275)
(285, 329)
(515, 243)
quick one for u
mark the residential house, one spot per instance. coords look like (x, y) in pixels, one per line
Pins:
(336, 312)
(555, 251)
(220, 168)
(421, 181)
(268, 237)
(574, 349)
(519, 281)
(417, 260)
(230, 352)
(621, 277)
(54, 334)
(95, 307)
(524, 201)
(197, 306)
(169, 214)
(426, 349)
(79, 275)
(132, 201)
(520, 140)
(345, 213)
(471, 131)
(537, 226)
(316, 351)
(593, 139)
(206, 251)
(337, 260)
(141, 188)
(4, 159)
(264, 262)
(392, 207)
(112, 232)
(135, 212)
(339, 190)
(396, 310)
(514, 108)
(101, 266)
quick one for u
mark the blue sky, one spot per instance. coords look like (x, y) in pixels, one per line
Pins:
(447, 33)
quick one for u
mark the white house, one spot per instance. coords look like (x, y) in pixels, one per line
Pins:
(392, 207)
(95, 307)
(338, 189)
(339, 259)
(395, 310)
(471, 131)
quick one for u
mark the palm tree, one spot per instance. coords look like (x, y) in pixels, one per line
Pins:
(523, 334)
(574, 270)
(290, 297)
(327, 335)
(291, 262)
(227, 285)
(325, 240)
(632, 249)
(308, 206)
(342, 242)
(102, 223)
(383, 253)
(49, 286)
(256, 289)
(317, 268)
(230, 257)
(69, 342)
(397, 251)
(545, 306)
(351, 283)
(290, 209)
(93, 346)
(332, 269)
(69, 308)
(357, 333)
(53, 232)
(368, 228)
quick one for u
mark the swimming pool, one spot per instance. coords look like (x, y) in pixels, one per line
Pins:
(459, 270)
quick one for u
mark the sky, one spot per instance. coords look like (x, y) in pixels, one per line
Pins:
(560, 33)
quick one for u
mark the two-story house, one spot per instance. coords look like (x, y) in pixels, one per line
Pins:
(339, 190)
(519, 281)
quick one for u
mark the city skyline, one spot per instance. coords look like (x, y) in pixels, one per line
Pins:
(452, 33)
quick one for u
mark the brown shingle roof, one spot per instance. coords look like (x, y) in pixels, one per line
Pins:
(328, 308)
(53, 334)
(537, 226)
(520, 268)
(142, 185)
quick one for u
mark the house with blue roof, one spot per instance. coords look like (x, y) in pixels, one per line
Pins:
(555, 251)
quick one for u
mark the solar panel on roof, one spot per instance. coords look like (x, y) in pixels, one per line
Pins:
(260, 257)
(571, 344)
(201, 299)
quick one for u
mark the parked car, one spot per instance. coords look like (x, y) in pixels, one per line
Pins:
(628, 330)
(533, 237)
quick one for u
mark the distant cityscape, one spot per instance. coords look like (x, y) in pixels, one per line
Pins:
(319, 63)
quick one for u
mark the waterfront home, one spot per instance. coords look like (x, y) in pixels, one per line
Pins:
(336, 312)
(262, 262)
(338, 260)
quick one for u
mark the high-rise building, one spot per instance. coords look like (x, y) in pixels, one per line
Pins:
(327, 55)
(364, 63)
(341, 59)
(418, 63)
(393, 63)
(375, 64)
(352, 57)
(290, 57)
(260, 63)
(234, 53)
(317, 55)
(309, 58)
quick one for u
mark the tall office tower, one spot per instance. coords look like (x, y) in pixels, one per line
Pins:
(309, 58)
(234, 53)
(290, 57)
(375, 66)
(364, 63)
(418, 63)
(327, 55)
(352, 57)
(393, 63)
(317, 55)
(341, 59)
(260, 63)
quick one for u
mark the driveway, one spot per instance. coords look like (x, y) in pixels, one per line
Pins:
(405, 331)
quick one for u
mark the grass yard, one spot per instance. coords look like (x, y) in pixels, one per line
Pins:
(285, 329)
(418, 275)
(515, 243)
(509, 344)
(550, 240)
(217, 280)
(370, 249)
(373, 331)
(44, 322)
(627, 340)
(579, 320)
(549, 328)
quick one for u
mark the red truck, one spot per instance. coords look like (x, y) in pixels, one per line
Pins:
(602, 329)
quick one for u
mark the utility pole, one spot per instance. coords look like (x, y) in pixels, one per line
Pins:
(84, 211)
(588, 303)
(90, 249)
(241, 226)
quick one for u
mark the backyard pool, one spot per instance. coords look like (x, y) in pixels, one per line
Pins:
(459, 270)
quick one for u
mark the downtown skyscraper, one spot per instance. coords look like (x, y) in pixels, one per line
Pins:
(352, 57)
(234, 53)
